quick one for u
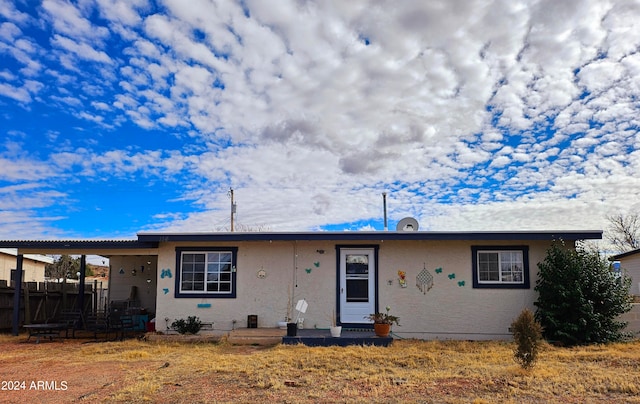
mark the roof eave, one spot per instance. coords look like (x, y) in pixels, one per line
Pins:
(369, 236)
(624, 255)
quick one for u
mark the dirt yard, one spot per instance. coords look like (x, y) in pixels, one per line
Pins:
(77, 370)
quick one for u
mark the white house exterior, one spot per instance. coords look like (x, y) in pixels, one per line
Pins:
(447, 285)
(33, 266)
(454, 285)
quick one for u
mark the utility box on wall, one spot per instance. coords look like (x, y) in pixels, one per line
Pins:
(252, 321)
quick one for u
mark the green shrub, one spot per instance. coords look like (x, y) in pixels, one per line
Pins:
(189, 326)
(527, 334)
(580, 298)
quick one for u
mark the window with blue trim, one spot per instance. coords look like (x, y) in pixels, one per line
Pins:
(206, 272)
(504, 267)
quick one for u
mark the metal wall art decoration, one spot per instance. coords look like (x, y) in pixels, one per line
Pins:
(424, 280)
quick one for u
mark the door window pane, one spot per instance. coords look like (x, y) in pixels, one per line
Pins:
(357, 290)
(357, 264)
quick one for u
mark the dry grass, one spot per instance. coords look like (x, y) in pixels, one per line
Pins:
(408, 371)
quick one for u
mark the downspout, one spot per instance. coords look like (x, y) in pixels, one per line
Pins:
(294, 284)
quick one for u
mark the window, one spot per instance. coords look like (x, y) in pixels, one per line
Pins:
(13, 275)
(209, 272)
(500, 267)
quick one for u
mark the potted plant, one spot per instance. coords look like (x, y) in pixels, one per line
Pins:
(382, 322)
(335, 329)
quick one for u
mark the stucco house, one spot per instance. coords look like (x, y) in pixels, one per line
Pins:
(448, 285)
(630, 264)
(33, 267)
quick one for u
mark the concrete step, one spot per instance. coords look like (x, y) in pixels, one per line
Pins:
(256, 336)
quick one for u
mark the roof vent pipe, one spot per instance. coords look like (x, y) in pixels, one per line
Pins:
(384, 207)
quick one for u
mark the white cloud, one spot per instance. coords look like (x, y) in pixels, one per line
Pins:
(9, 32)
(8, 10)
(500, 161)
(600, 75)
(80, 50)
(125, 13)
(17, 93)
(100, 106)
(69, 20)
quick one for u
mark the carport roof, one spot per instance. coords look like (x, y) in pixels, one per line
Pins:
(77, 244)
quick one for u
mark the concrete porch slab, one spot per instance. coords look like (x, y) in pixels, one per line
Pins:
(319, 337)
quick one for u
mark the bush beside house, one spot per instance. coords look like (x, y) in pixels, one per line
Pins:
(580, 298)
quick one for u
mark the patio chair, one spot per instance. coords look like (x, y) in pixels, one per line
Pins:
(121, 324)
(73, 321)
(98, 323)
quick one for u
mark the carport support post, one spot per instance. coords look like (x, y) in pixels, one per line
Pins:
(17, 295)
(83, 269)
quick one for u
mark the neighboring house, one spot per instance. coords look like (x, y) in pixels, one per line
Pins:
(33, 266)
(448, 285)
(630, 265)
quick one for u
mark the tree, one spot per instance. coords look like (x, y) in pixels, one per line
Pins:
(624, 231)
(65, 266)
(580, 298)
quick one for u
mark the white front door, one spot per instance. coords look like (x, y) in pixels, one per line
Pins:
(357, 284)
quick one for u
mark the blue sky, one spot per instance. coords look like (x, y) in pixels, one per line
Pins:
(119, 117)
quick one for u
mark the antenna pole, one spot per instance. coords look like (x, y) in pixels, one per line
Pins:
(233, 207)
(384, 207)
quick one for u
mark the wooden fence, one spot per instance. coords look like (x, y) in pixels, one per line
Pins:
(44, 301)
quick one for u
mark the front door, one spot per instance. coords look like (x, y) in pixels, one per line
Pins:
(357, 284)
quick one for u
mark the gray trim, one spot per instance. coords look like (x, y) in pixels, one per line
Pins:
(152, 240)
(371, 236)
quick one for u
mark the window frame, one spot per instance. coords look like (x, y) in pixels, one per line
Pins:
(179, 293)
(12, 276)
(477, 284)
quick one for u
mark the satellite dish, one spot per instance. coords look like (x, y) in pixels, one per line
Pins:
(407, 224)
